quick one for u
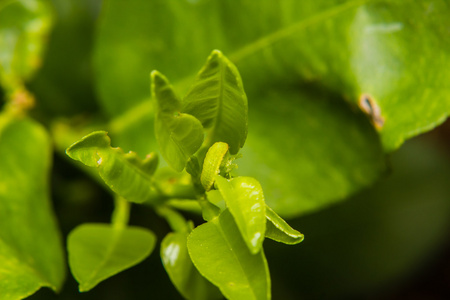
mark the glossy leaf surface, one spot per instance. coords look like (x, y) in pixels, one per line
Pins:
(182, 272)
(221, 255)
(31, 253)
(278, 230)
(179, 135)
(99, 251)
(245, 200)
(24, 27)
(125, 174)
(217, 98)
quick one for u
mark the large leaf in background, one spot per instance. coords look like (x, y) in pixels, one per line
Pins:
(217, 98)
(24, 26)
(391, 51)
(99, 251)
(31, 254)
(221, 255)
(313, 162)
(125, 174)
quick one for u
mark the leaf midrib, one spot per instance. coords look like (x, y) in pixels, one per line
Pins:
(114, 242)
(217, 223)
(218, 116)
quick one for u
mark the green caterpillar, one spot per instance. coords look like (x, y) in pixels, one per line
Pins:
(211, 164)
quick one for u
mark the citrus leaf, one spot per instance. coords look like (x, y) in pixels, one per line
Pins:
(24, 27)
(125, 174)
(217, 98)
(31, 253)
(221, 255)
(245, 201)
(325, 154)
(182, 273)
(99, 251)
(179, 135)
(278, 230)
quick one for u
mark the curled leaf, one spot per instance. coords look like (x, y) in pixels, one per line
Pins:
(125, 174)
(278, 230)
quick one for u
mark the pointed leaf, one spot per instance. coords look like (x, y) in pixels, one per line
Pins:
(24, 27)
(182, 273)
(31, 252)
(221, 255)
(99, 251)
(278, 230)
(125, 174)
(245, 200)
(218, 100)
(179, 135)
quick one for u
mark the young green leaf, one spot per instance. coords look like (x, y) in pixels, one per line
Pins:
(31, 252)
(218, 100)
(125, 174)
(24, 27)
(179, 135)
(221, 255)
(278, 230)
(245, 200)
(211, 164)
(99, 251)
(182, 273)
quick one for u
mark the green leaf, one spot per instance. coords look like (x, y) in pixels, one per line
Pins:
(182, 273)
(31, 253)
(179, 135)
(278, 230)
(125, 174)
(326, 153)
(24, 27)
(245, 200)
(218, 100)
(221, 255)
(99, 251)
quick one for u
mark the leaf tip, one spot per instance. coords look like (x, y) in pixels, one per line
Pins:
(157, 78)
(216, 52)
(92, 140)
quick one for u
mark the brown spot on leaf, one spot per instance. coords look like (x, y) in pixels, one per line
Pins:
(370, 107)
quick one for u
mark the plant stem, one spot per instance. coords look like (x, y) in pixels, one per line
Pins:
(121, 213)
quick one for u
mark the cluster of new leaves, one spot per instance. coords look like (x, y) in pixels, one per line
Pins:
(201, 136)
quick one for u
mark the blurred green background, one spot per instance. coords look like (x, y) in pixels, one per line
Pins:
(376, 220)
